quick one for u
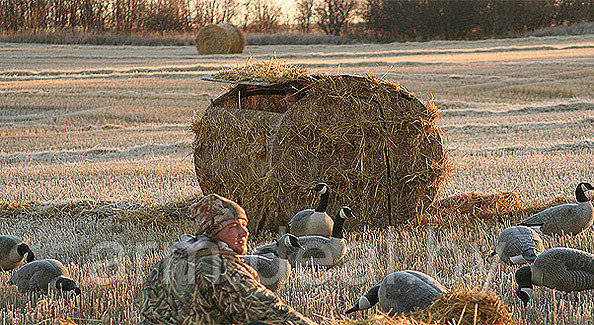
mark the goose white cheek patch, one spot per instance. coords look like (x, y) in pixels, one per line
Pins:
(364, 303)
(527, 291)
(324, 189)
(518, 259)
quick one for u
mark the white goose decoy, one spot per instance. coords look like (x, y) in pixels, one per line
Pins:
(401, 292)
(13, 252)
(518, 245)
(564, 269)
(313, 222)
(566, 218)
(43, 275)
(323, 251)
(270, 261)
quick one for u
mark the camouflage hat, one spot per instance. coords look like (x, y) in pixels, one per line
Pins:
(213, 213)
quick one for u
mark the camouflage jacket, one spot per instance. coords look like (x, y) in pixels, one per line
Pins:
(205, 282)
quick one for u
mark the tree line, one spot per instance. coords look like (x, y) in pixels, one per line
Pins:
(382, 20)
(399, 20)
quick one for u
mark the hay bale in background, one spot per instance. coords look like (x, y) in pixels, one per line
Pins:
(236, 37)
(220, 39)
(213, 39)
(376, 145)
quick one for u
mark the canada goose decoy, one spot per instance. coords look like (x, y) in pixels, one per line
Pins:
(564, 269)
(401, 292)
(313, 222)
(518, 245)
(270, 261)
(13, 252)
(318, 250)
(43, 275)
(566, 218)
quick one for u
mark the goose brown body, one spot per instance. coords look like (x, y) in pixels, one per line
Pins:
(12, 252)
(314, 222)
(518, 245)
(324, 251)
(42, 275)
(270, 261)
(564, 269)
(565, 219)
(401, 292)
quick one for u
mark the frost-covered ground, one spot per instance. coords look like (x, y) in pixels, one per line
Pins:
(104, 123)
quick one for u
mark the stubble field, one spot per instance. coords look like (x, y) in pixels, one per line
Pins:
(107, 128)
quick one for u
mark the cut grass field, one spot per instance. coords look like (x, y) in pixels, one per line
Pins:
(95, 155)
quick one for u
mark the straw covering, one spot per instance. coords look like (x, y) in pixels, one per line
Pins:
(375, 144)
(271, 71)
(466, 307)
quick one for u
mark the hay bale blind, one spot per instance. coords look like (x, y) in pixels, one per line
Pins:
(375, 144)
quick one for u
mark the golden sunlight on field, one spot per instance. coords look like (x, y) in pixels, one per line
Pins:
(96, 165)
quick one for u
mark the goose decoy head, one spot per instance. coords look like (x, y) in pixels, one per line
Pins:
(287, 245)
(24, 249)
(587, 187)
(346, 213)
(292, 241)
(320, 187)
(366, 301)
(524, 281)
(580, 191)
(67, 285)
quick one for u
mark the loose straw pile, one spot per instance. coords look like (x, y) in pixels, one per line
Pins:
(270, 71)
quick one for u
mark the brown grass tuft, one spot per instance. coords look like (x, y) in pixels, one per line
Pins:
(382, 320)
(466, 307)
(482, 206)
(457, 306)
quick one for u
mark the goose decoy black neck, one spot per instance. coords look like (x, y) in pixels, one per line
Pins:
(366, 301)
(23, 249)
(524, 281)
(580, 194)
(343, 213)
(321, 188)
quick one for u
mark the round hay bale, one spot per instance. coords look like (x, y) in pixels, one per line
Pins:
(375, 144)
(236, 37)
(213, 39)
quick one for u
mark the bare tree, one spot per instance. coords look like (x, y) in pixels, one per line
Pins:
(264, 15)
(333, 15)
(305, 11)
(215, 12)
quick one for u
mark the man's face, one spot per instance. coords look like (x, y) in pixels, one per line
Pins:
(235, 235)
